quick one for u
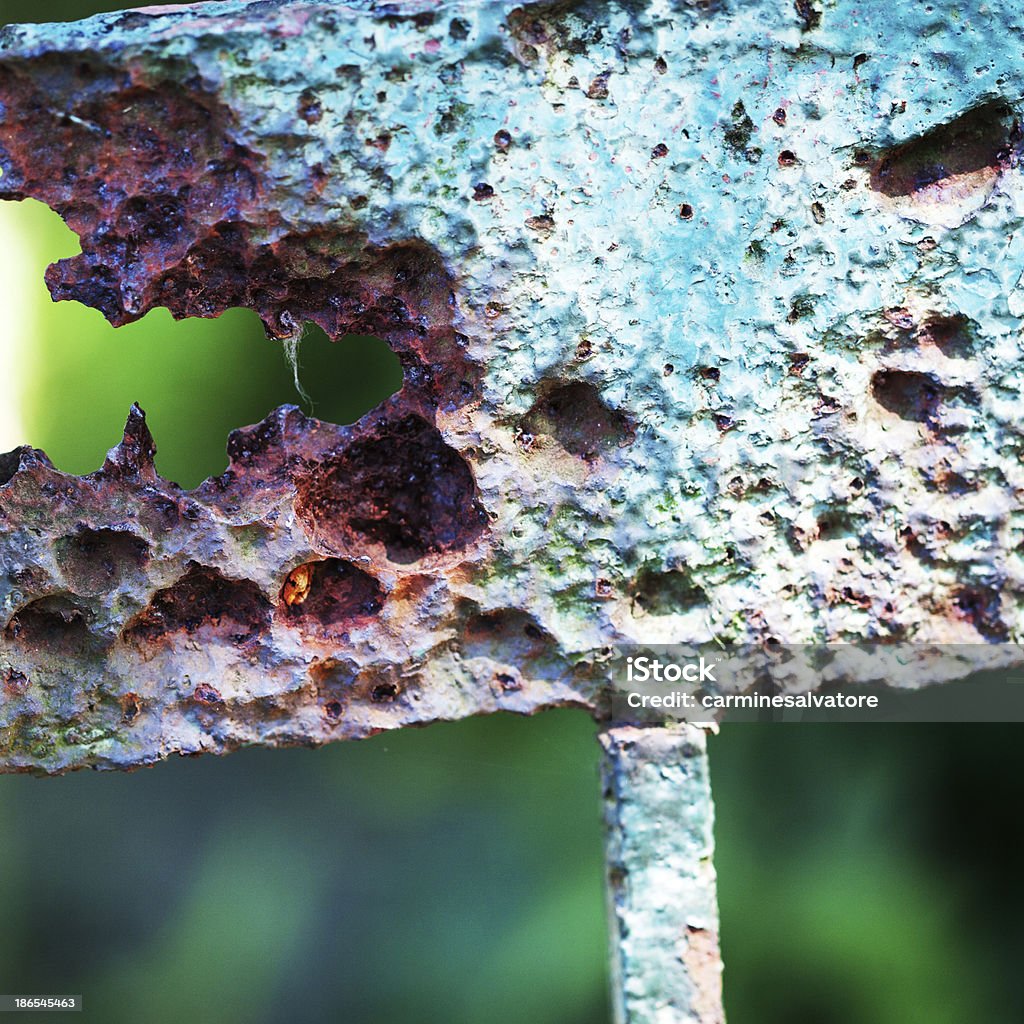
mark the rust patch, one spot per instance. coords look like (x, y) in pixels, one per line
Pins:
(15, 683)
(51, 625)
(702, 958)
(327, 595)
(981, 607)
(131, 707)
(978, 145)
(174, 210)
(398, 491)
(138, 168)
(203, 601)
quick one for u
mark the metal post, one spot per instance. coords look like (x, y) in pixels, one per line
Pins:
(666, 964)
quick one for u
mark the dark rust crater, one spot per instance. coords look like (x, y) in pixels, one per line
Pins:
(96, 561)
(399, 490)
(575, 417)
(326, 596)
(52, 625)
(204, 602)
(907, 393)
(982, 140)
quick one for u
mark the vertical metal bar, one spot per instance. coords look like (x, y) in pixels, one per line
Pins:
(666, 963)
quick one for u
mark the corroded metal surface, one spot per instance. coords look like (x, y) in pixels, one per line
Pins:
(709, 319)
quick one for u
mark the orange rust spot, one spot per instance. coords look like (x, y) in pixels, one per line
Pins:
(131, 705)
(207, 696)
(297, 586)
(15, 683)
(702, 957)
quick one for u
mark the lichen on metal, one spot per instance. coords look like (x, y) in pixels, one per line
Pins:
(709, 317)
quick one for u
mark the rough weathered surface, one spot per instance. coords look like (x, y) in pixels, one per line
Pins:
(709, 315)
(666, 964)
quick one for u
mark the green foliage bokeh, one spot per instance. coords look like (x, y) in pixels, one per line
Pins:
(196, 379)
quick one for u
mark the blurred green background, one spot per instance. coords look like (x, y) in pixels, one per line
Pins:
(868, 874)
